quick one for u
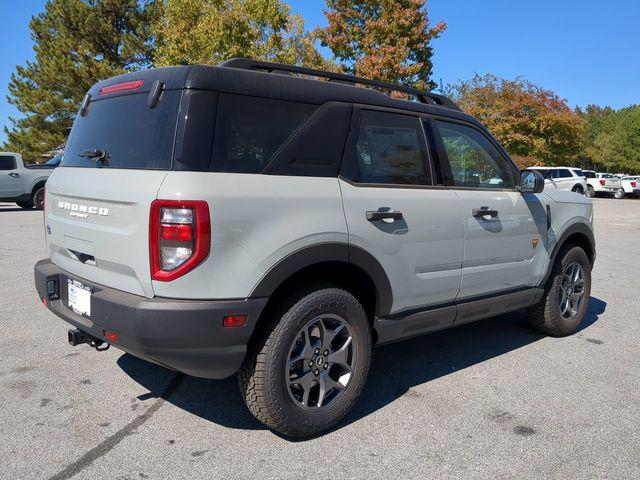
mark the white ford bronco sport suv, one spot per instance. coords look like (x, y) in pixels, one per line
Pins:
(252, 218)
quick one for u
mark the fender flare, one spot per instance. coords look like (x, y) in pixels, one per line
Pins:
(328, 252)
(580, 228)
(36, 182)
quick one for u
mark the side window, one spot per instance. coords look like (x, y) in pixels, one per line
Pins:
(564, 173)
(249, 130)
(7, 162)
(474, 161)
(390, 149)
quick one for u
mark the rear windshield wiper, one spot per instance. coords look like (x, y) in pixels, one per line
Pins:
(101, 156)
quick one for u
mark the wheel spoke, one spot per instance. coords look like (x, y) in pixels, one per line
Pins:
(330, 335)
(307, 352)
(306, 382)
(340, 356)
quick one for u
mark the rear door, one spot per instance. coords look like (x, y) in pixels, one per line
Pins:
(395, 212)
(504, 229)
(10, 181)
(98, 200)
(566, 180)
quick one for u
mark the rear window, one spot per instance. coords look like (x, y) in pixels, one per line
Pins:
(131, 134)
(589, 174)
(578, 172)
(250, 130)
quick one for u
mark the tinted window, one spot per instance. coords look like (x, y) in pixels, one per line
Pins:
(548, 173)
(589, 174)
(7, 162)
(132, 134)
(474, 161)
(579, 173)
(564, 173)
(317, 147)
(249, 130)
(390, 149)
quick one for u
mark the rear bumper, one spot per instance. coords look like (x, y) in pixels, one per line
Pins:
(184, 335)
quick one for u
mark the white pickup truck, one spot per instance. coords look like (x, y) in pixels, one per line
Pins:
(603, 184)
(21, 183)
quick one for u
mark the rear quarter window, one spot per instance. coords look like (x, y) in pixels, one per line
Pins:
(250, 130)
(132, 134)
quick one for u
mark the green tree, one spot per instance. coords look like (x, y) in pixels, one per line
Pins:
(531, 122)
(76, 43)
(209, 31)
(387, 40)
(611, 140)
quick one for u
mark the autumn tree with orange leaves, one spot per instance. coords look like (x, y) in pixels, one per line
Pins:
(535, 125)
(387, 40)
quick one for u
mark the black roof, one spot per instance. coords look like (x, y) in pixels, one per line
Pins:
(239, 79)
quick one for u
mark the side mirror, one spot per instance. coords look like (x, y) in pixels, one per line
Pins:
(531, 181)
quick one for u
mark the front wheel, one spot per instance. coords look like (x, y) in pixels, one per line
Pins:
(578, 189)
(307, 369)
(566, 294)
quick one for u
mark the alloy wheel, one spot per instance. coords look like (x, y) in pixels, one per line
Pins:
(571, 291)
(320, 362)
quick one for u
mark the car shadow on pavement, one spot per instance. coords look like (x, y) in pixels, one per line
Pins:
(396, 368)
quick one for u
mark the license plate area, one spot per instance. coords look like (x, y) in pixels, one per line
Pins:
(79, 297)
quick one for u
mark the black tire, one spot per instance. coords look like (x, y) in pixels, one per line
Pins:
(38, 198)
(590, 191)
(25, 205)
(546, 315)
(262, 377)
(578, 189)
(619, 194)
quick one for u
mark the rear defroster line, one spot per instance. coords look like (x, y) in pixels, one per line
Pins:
(113, 440)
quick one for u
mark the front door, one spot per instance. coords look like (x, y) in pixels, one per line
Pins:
(393, 210)
(505, 230)
(10, 181)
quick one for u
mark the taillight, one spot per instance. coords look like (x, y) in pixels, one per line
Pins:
(602, 182)
(634, 184)
(44, 212)
(179, 237)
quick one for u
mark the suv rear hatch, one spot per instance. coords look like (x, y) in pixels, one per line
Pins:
(98, 201)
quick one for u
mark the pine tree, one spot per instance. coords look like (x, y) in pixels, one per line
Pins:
(387, 40)
(76, 43)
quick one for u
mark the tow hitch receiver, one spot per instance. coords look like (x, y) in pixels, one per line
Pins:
(78, 337)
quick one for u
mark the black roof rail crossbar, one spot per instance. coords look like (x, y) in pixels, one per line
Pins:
(422, 96)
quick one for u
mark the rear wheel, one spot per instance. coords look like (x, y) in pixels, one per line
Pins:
(619, 194)
(25, 205)
(566, 294)
(38, 198)
(578, 189)
(590, 191)
(308, 367)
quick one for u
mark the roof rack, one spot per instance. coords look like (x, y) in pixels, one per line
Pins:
(422, 96)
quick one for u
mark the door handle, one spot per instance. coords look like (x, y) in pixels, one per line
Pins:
(376, 215)
(14, 174)
(484, 212)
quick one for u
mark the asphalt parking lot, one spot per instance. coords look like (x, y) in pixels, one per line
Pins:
(487, 400)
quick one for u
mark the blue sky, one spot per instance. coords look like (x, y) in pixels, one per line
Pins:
(587, 51)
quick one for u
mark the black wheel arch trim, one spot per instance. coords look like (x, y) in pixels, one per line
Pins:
(328, 252)
(579, 228)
